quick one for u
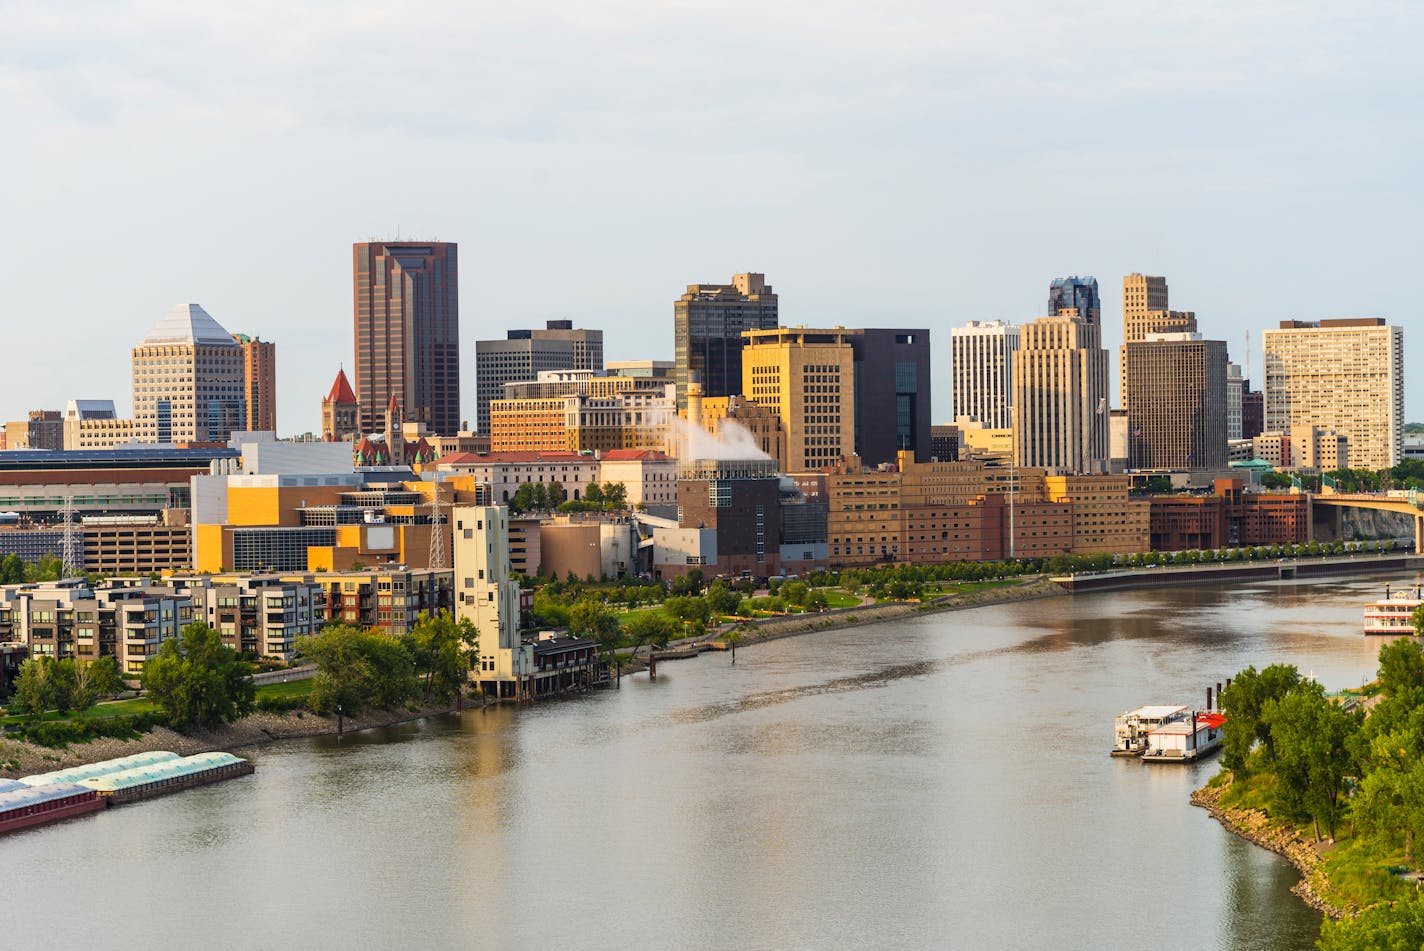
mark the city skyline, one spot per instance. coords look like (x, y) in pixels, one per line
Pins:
(878, 190)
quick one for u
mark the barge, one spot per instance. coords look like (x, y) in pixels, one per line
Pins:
(23, 806)
(168, 776)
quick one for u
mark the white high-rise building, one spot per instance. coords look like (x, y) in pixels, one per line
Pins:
(1235, 386)
(1346, 376)
(982, 371)
(486, 595)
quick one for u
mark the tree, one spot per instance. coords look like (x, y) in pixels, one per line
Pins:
(615, 496)
(796, 593)
(1312, 737)
(1275, 480)
(92, 679)
(1417, 619)
(1243, 702)
(443, 647)
(693, 612)
(591, 618)
(651, 627)
(722, 599)
(1393, 927)
(33, 690)
(1401, 664)
(12, 569)
(197, 680)
(1389, 800)
(593, 494)
(357, 669)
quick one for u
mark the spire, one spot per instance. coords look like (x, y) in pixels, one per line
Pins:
(341, 392)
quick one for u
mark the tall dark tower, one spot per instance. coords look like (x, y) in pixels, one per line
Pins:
(407, 304)
(707, 332)
(1078, 294)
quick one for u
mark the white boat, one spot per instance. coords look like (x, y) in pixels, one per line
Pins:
(1185, 740)
(1132, 728)
(1395, 613)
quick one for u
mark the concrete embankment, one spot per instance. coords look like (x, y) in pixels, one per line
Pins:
(1238, 571)
(1255, 826)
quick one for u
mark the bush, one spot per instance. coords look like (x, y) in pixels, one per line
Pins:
(280, 704)
(60, 733)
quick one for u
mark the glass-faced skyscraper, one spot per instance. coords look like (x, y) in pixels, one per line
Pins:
(707, 332)
(1078, 294)
(407, 334)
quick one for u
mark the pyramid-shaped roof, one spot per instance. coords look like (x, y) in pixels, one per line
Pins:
(341, 391)
(189, 323)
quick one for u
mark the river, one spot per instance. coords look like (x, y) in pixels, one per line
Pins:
(940, 782)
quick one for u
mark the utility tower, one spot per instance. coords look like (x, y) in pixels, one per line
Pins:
(71, 550)
(437, 531)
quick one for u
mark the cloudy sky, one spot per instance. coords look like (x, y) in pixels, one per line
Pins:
(889, 163)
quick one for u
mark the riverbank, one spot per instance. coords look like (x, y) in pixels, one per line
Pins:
(18, 758)
(1257, 827)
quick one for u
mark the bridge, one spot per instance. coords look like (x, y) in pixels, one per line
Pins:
(1410, 502)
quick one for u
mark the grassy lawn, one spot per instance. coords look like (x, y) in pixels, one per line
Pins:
(624, 616)
(836, 598)
(286, 691)
(941, 589)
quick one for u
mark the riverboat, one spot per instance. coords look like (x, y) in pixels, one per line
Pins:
(23, 806)
(1184, 740)
(1395, 613)
(1132, 728)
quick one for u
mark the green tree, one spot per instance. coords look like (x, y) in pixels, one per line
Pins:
(1389, 800)
(1417, 619)
(197, 680)
(593, 494)
(93, 679)
(12, 569)
(1275, 480)
(721, 598)
(816, 601)
(795, 592)
(615, 496)
(443, 649)
(591, 618)
(1401, 665)
(693, 612)
(1243, 702)
(652, 627)
(1394, 927)
(1312, 737)
(33, 687)
(358, 669)
(524, 498)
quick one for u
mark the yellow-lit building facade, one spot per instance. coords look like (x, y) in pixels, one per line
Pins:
(807, 377)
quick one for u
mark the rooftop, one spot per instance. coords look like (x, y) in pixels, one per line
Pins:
(189, 323)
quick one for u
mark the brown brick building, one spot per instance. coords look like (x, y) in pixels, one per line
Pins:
(1228, 518)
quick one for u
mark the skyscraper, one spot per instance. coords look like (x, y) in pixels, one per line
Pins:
(1341, 375)
(1075, 297)
(1178, 420)
(892, 393)
(1235, 388)
(1060, 410)
(808, 378)
(982, 371)
(1144, 311)
(259, 382)
(524, 354)
(188, 380)
(708, 322)
(407, 332)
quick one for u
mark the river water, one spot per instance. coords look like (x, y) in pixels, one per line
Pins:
(940, 782)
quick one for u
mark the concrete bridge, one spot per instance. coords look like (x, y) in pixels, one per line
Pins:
(1409, 503)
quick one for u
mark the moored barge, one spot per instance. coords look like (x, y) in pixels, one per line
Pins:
(168, 776)
(23, 806)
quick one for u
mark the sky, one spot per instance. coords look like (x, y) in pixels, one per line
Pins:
(898, 163)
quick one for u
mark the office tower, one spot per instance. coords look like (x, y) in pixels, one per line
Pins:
(1060, 396)
(808, 377)
(892, 393)
(944, 443)
(1346, 376)
(1235, 388)
(259, 382)
(407, 309)
(1075, 297)
(1253, 411)
(340, 412)
(1178, 418)
(524, 354)
(44, 429)
(1144, 311)
(188, 380)
(708, 322)
(982, 371)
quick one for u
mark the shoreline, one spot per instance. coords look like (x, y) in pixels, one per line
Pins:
(1259, 829)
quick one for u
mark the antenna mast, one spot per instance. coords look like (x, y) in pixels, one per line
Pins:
(71, 550)
(437, 532)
